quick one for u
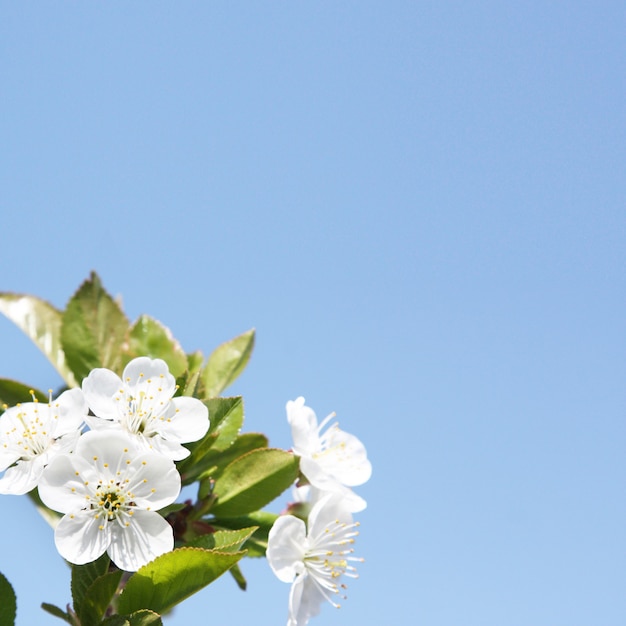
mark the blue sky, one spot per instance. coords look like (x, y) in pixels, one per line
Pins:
(420, 208)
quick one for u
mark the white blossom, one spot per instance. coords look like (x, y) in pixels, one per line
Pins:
(110, 494)
(142, 404)
(33, 433)
(332, 461)
(313, 556)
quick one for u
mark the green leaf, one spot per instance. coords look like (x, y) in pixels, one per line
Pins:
(213, 463)
(57, 612)
(224, 540)
(139, 618)
(98, 597)
(8, 603)
(256, 545)
(83, 576)
(254, 480)
(148, 337)
(226, 363)
(93, 330)
(226, 418)
(188, 381)
(172, 577)
(42, 323)
(236, 573)
(12, 393)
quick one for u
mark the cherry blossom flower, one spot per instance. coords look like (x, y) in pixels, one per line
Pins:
(313, 557)
(332, 461)
(110, 493)
(33, 433)
(142, 404)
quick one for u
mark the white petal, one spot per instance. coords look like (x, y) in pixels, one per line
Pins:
(325, 512)
(60, 488)
(143, 368)
(70, 409)
(101, 388)
(345, 458)
(188, 420)
(147, 537)
(21, 478)
(79, 538)
(156, 481)
(305, 600)
(303, 424)
(286, 547)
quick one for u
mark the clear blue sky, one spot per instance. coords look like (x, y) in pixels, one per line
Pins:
(421, 208)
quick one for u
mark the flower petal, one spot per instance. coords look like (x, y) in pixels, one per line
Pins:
(81, 537)
(303, 424)
(156, 481)
(100, 389)
(187, 420)
(305, 600)
(68, 412)
(147, 537)
(286, 547)
(142, 369)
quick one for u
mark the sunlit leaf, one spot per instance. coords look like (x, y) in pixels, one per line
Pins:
(172, 577)
(226, 362)
(42, 324)
(148, 337)
(93, 330)
(254, 480)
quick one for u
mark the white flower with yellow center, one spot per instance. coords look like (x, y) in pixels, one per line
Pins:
(110, 494)
(142, 404)
(313, 556)
(33, 433)
(332, 461)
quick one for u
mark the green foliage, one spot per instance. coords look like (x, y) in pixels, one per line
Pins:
(57, 612)
(13, 392)
(8, 603)
(138, 618)
(83, 576)
(226, 363)
(253, 481)
(98, 597)
(42, 323)
(226, 416)
(256, 545)
(93, 330)
(224, 540)
(237, 474)
(172, 577)
(148, 337)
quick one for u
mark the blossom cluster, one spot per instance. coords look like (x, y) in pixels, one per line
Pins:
(108, 481)
(313, 556)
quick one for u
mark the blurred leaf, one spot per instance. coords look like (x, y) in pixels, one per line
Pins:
(236, 573)
(224, 540)
(188, 381)
(139, 618)
(57, 612)
(93, 330)
(83, 576)
(148, 337)
(215, 461)
(226, 418)
(257, 543)
(98, 597)
(254, 480)
(172, 577)
(12, 393)
(8, 603)
(226, 362)
(42, 323)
